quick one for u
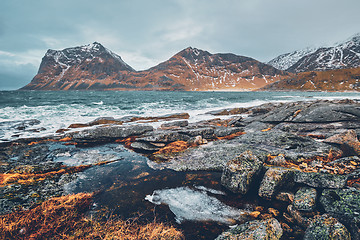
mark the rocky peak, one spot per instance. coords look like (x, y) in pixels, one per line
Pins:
(193, 54)
(76, 55)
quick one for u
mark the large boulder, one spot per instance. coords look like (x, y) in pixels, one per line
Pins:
(347, 141)
(269, 229)
(239, 173)
(326, 228)
(274, 179)
(344, 204)
(305, 199)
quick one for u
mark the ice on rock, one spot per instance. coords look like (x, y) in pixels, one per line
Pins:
(193, 205)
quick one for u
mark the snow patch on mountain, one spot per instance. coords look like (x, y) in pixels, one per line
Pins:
(285, 61)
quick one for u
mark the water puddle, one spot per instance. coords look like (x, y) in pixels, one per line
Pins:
(193, 201)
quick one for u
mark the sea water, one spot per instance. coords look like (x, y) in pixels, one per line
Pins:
(59, 109)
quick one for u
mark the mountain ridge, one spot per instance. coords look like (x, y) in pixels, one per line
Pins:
(94, 67)
(341, 55)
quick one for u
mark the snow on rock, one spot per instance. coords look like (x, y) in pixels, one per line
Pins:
(194, 205)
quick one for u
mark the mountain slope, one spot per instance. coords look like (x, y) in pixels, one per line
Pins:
(330, 80)
(340, 56)
(95, 67)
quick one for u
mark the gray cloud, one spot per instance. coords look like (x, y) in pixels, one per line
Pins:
(145, 33)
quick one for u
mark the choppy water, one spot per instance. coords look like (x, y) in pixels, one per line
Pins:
(59, 109)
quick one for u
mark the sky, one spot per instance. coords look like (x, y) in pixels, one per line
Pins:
(147, 32)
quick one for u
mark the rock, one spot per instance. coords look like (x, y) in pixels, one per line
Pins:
(285, 197)
(239, 173)
(110, 132)
(225, 131)
(164, 136)
(301, 220)
(274, 179)
(324, 130)
(277, 161)
(348, 142)
(105, 120)
(320, 180)
(269, 229)
(257, 126)
(305, 199)
(182, 123)
(232, 111)
(207, 133)
(144, 146)
(342, 202)
(78, 125)
(327, 228)
(236, 122)
(198, 140)
(314, 112)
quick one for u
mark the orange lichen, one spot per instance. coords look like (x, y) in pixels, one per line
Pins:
(232, 136)
(173, 147)
(126, 141)
(296, 113)
(265, 130)
(65, 139)
(64, 218)
(29, 178)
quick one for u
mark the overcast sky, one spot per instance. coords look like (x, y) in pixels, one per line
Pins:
(147, 32)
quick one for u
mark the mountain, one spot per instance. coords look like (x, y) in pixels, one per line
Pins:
(93, 67)
(76, 68)
(195, 70)
(340, 56)
(330, 80)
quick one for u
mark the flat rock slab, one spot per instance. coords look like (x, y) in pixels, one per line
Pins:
(110, 132)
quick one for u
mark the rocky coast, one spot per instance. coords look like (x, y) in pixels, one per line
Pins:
(299, 158)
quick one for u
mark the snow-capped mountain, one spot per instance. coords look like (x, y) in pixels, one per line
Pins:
(285, 61)
(72, 68)
(95, 67)
(340, 56)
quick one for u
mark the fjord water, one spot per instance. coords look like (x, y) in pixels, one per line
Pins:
(59, 109)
